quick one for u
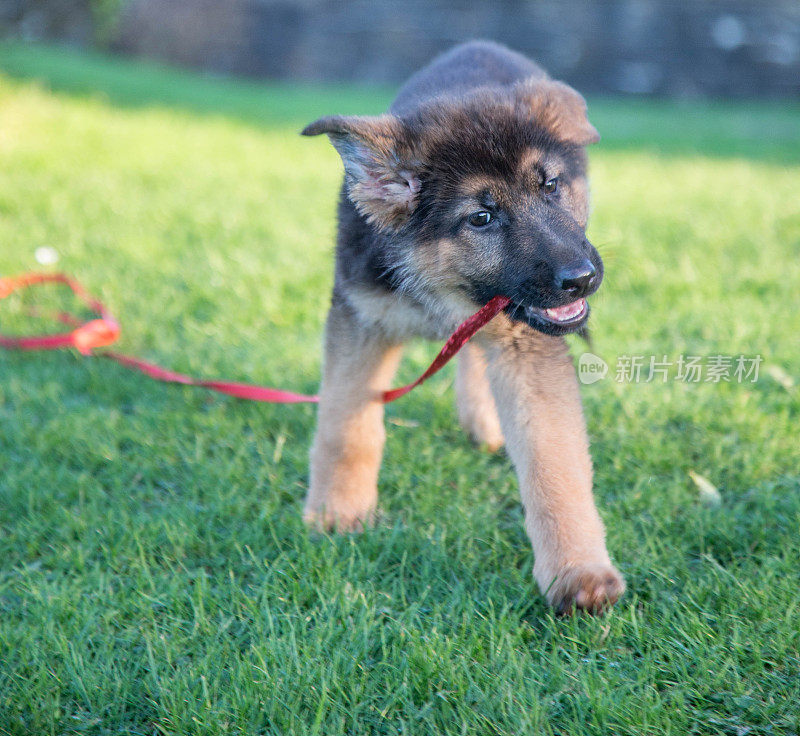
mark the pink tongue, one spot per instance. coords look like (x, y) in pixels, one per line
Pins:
(568, 311)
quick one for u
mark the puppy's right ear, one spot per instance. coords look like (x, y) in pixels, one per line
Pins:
(559, 108)
(380, 174)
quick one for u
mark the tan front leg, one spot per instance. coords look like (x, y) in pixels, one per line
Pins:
(536, 391)
(346, 455)
(476, 409)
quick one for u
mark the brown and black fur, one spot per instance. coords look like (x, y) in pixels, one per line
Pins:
(449, 200)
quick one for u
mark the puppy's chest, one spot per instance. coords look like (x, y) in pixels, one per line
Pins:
(396, 315)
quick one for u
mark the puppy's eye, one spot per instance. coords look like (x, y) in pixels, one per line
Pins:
(551, 185)
(480, 219)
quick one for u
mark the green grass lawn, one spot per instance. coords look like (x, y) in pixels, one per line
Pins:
(155, 575)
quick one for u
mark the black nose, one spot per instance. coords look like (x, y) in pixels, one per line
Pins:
(576, 280)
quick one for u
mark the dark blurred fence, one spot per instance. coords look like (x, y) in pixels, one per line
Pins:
(689, 48)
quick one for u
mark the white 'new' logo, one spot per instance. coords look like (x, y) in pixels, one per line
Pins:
(591, 368)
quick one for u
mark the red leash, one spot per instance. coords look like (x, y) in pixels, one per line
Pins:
(103, 331)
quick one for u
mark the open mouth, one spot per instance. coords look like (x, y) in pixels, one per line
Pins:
(553, 321)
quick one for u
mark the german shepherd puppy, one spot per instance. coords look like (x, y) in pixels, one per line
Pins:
(473, 185)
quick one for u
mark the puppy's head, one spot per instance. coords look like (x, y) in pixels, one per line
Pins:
(482, 196)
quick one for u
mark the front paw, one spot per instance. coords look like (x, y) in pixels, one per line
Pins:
(340, 515)
(589, 587)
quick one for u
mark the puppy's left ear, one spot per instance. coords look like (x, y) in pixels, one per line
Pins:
(378, 163)
(560, 109)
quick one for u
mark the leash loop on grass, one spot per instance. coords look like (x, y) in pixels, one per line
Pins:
(85, 337)
(104, 330)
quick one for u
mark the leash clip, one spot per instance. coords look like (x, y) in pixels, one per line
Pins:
(95, 334)
(6, 287)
